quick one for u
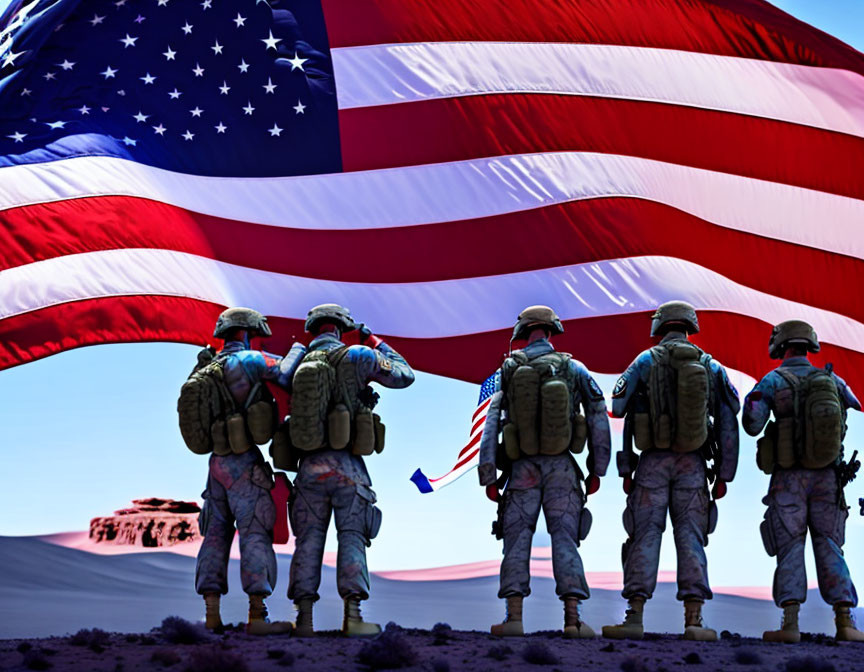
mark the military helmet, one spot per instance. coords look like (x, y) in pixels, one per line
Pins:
(534, 316)
(330, 312)
(675, 311)
(241, 318)
(791, 331)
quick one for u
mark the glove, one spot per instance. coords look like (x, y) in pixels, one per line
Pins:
(592, 484)
(364, 333)
(627, 484)
(492, 493)
(719, 491)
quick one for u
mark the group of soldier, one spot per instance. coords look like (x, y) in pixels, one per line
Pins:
(679, 409)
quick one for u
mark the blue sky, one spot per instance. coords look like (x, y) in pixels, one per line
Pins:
(86, 431)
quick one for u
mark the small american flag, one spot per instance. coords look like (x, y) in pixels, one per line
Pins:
(469, 455)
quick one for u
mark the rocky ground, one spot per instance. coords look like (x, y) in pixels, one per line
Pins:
(180, 646)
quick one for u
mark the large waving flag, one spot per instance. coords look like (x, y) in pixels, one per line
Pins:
(436, 165)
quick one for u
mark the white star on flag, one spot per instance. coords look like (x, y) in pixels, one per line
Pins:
(140, 117)
(170, 54)
(244, 66)
(148, 78)
(66, 64)
(18, 136)
(198, 70)
(128, 41)
(297, 62)
(269, 87)
(224, 89)
(249, 109)
(220, 128)
(187, 28)
(299, 108)
(271, 41)
(188, 135)
(217, 48)
(196, 112)
(175, 94)
(240, 20)
(108, 72)
(160, 129)
(275, 130)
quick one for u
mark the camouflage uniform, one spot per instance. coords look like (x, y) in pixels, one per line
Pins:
(799, 499)
(673, 482)
(552, 482)
(238, 486)
(336, 482)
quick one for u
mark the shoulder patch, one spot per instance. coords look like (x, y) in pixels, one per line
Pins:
(620, 387)
(385, 363)
(594, 388)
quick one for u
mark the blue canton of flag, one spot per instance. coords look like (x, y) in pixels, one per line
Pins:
(216, 87)
(491, 385)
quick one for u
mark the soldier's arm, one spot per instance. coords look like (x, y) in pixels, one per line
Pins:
(726, 424)
(846, 394)
(383, 365)
(599, 435)
(757, 406)
(288, 365)
(628, 383)
(487, 470)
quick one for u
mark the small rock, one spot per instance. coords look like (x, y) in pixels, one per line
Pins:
(693, 658)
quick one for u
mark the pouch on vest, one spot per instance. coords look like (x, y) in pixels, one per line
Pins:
(823, 421)
(364, 433)
(219, 438)
(766, 449)
(580, 434)
(556, 429)
(525, 397)
(312, 389)
(510, 436)
(380, 431)
(261, 418)
(642, 431)
(281, 450)
(339, 426)
(238, 438)
(786, 457)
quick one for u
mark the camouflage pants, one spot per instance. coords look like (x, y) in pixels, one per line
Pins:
(673, 482)
(799, 499)
(326, 487)
(238, 492)
(550, 482)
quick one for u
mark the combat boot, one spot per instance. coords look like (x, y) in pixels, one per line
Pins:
(574, 627)
(303, 626)
(788, 632)
(632, 627)
(212, 618)
(353, 624)
(693, 626)
(512, 625)
(846, 630)
(259, 624)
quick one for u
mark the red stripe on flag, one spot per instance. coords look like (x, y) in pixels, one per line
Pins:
(456, 129)
(473, 442)
(748, 28)
(576, 232)
(461, 463)
(604, 344)
(482, 407)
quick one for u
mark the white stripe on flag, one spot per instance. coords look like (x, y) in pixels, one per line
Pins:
(461, 190)
(827, 98)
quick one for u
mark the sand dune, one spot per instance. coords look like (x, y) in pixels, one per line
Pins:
(48, 589)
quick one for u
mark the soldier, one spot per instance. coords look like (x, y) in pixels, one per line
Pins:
(332, 424)
(538, 407)
(239, 483)
(670, 395)
(802, 449)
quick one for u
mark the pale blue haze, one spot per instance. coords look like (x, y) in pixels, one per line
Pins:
(86, 431)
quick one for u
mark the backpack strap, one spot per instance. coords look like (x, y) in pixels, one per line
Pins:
(335, 357)
(797, 411)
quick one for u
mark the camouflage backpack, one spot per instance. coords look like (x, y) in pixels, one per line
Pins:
(328, 408)
(204, 399)
(680, 397)
(818, 418)
(539, 395)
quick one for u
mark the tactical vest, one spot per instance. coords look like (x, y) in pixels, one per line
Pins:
(329, 409)
(539, 394)
(680, 396)
(210, 419)
(809, 427)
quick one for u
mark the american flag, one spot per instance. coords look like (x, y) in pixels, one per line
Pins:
(435, 165)
(468, 457)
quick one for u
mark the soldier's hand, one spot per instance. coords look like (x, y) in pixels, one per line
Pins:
(492, 492)
(365, 334)
(592, 484)
(627, 484)
(719, 490)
